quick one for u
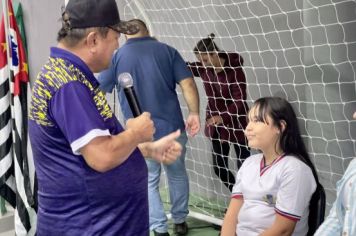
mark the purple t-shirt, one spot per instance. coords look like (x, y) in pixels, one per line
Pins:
(67, 111)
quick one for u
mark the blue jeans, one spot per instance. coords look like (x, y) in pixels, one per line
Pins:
(178, 184)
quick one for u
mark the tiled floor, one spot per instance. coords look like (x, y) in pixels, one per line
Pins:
(7, 224)
(8, 233)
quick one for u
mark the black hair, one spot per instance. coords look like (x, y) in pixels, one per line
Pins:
(291, 142)
(206, 45)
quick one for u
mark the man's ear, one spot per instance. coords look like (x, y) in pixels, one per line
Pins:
(92, 41)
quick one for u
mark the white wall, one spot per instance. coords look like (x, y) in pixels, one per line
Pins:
(42, 22)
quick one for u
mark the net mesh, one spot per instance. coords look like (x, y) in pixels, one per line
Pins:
(303, 50)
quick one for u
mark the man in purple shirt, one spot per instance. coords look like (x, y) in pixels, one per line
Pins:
(92, 178)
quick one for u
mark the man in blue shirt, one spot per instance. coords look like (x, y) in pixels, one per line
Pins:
(156, 69)
(92, 178)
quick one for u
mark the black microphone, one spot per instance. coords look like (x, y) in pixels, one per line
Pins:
(126, 82)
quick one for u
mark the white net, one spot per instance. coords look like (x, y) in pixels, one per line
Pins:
(303, 50)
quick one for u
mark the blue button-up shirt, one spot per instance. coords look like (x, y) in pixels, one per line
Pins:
(342, 217)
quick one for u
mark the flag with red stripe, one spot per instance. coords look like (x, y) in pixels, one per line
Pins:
(15, 178)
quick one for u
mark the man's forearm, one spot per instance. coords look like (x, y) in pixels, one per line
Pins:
(106, 152)
(190, 94)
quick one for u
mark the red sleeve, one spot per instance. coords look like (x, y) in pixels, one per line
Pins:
(237, 90)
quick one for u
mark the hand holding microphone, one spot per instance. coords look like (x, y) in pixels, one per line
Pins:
(165, 150)
(142, 126)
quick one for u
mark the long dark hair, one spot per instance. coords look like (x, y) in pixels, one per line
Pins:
(206, 45)
(291, 142)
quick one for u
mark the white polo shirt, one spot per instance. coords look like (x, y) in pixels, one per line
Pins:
(284, 187)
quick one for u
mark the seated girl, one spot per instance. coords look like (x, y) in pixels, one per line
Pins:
(273, 188)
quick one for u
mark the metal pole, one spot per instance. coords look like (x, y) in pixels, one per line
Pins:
(144, 16)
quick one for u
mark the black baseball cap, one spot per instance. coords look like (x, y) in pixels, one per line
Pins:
(96, 13)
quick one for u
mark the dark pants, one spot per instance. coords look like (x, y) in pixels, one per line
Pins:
(221, 160)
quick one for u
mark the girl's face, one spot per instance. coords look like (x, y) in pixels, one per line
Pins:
(207, 59)
(261, 135)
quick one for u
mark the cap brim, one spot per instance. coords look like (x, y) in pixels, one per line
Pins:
(127, 28)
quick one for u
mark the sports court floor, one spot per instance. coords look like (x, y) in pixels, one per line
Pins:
(197, 228)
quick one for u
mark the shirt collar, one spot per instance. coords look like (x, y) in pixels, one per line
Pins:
(146, 38)
(75, 60)
(264, 167)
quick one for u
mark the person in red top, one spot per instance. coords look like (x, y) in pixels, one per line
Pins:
(225, 86)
